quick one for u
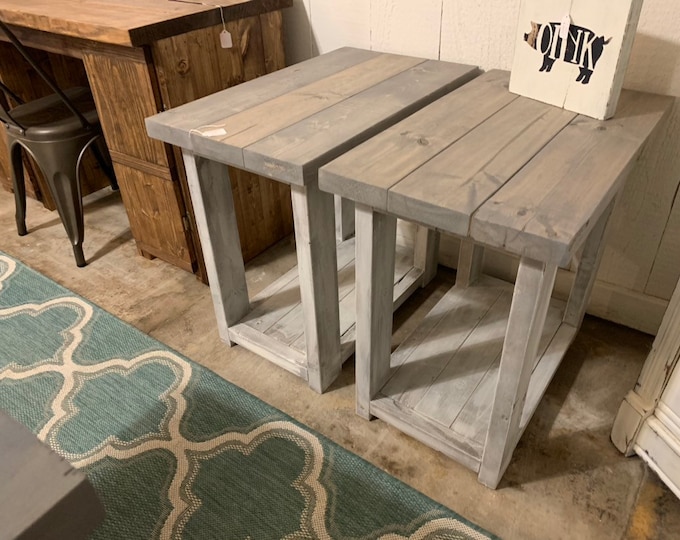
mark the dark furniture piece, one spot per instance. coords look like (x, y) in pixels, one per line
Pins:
(41, 494)
(140, 58)
(55, 130)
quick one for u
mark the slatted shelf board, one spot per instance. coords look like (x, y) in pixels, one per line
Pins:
(443, 377)
(275, 323)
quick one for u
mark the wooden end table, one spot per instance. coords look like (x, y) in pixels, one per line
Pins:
(284, 126)
(505, 172)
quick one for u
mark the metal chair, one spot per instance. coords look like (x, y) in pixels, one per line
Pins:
(55, 130)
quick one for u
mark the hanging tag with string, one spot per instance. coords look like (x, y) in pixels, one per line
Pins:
(225, 37)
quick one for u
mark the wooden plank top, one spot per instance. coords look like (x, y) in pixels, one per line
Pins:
(130, 23)
(507, 171)
(286, 124)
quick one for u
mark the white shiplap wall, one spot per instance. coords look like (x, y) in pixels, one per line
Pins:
(642, 261)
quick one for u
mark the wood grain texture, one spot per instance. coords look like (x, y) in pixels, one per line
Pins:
(588, 264)
(152, 195)
(449, 406)
(295, 153)
(327, 108)
(374, 292)
(175, 126)
(122, 113)
(547, 215)
(127, 22)
(185, 65)
(153, 206)
(317, 264)
(423, 356)
(214, 210)
(380, 163)
(259, 121)
(421, 428)
(447, 190)
(272, 41)
(270, 348)
(530, 302)
(178, 65)
(470, 260)
(426, 253)
(448, 372)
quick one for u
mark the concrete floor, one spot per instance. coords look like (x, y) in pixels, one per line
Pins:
(566, 479)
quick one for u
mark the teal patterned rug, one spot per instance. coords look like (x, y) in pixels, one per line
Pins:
(173, 450)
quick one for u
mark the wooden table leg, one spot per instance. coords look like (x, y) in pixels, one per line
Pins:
(344, 219)
(317, 268)
(376, 237)
(587, 271)
(426, 253)
(213, 203)
(470, 261)
(530, 302)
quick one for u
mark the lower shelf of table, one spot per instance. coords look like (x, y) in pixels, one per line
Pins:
(443, 377)
(274, 326)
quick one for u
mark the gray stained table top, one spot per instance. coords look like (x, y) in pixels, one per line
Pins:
(504, 170)
(287, 124)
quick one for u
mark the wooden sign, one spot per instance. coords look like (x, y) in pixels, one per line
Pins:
(574, 53)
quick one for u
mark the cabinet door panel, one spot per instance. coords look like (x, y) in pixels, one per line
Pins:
(125, 90)
(153, 206)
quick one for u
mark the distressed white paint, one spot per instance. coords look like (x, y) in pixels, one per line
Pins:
(642, 259)
(648, 422)
(588, 79)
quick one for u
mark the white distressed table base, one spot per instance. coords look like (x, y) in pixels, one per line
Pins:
(274, 327)
(461, 394)
(469, 378)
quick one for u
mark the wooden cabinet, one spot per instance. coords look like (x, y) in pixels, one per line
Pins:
(135, 72)
(648, 421)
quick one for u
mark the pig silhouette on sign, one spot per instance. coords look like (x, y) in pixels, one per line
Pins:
(582, 47)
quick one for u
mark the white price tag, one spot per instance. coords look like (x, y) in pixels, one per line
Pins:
(564, 26)
(213, 132)
(225, 40)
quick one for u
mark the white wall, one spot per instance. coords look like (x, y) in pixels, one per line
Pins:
(642, 262)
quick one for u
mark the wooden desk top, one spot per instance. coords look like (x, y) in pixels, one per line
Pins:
(286, 124)
(507, 171)
(129, 23)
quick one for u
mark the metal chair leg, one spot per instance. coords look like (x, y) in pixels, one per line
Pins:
(19, 188)
(66, 192)
(60, 167)
(105, 164)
